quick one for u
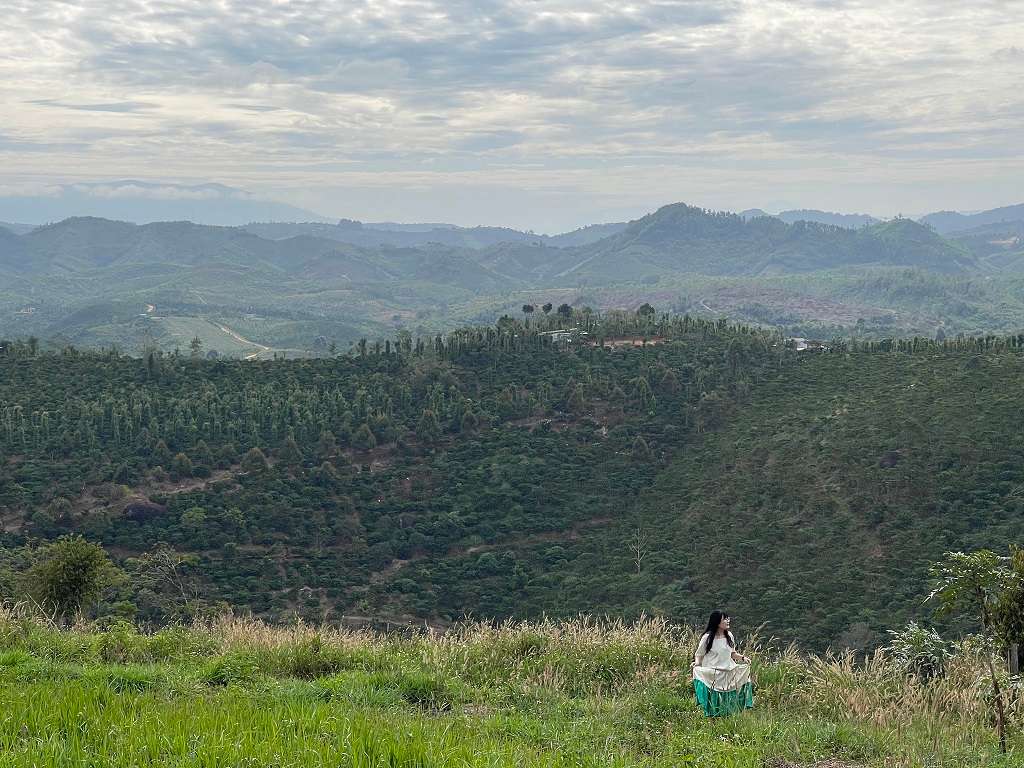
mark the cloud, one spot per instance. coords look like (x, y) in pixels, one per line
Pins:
(154, 192)
(721, 102)
(120, 106)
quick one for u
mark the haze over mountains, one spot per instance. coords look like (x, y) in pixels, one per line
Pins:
(291, 288)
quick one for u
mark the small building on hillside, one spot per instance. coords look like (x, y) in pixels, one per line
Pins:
(565, 335)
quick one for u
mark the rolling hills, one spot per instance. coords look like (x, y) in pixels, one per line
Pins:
(297, 289)
(496, 474)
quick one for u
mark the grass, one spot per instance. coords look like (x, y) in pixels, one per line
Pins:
(236, 692)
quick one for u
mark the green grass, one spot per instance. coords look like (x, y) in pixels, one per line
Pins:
(239, 693)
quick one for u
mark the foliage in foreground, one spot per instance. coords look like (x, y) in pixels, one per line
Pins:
(238, 692)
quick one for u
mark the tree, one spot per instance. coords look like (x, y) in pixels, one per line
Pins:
(254, 461)
(645, 310)
(564, 311)
(428, 430)
(203, 454)
(974, 583)
(196, 347)
(546, 308)
(326, 475)
(641, 451)
(70, 575)
(528, 309)
(1009, 610)
(181, 466)
(161, 454)
(167, 578)
(469, 424)
(326, 445)
(290, 453)
(227, 455)
(193, 519)
(363, 439)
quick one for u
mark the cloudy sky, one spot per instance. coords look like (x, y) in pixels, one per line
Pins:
(543, 115)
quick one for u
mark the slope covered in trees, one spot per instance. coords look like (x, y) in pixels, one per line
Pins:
(296, 289)
(498, 473)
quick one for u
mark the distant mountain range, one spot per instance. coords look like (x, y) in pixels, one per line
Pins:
(415, 235)
(675, 239)
(18, 229)
(141, 201)
(848, 220)
(264, 288)
(947, 222)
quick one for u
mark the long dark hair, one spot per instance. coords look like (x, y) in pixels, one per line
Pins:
(712, 630)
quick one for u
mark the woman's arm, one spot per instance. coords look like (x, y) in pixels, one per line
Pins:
(698, 656)
(736, 655)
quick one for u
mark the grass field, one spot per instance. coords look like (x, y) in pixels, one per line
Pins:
(239, 693)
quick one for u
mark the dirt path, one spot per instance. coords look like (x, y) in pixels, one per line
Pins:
(570, 534)
(242, 340)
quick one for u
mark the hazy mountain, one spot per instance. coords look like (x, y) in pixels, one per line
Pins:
(586, 235)
(945, 222)
(83, 244)
(375, 235)
(94, 281)
(14, 252)
(999, 246)
(18, 229)
(681, 238)
(675, 239)
(143, 202)
(848, 220)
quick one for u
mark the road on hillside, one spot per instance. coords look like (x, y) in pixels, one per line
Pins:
(242, 340)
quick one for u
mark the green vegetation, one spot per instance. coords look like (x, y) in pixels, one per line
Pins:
(296, 290)
(236, 692)
(498, 473)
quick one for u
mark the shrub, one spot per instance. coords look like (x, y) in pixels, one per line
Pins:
(918, 651)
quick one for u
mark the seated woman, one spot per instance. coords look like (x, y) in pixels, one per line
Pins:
(721, 676)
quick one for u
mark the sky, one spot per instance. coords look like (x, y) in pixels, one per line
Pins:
(537, 115)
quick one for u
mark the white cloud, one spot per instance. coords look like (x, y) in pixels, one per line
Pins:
(153, 192)
(627, 105)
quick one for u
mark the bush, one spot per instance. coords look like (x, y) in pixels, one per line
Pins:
(918, 651)
(230, 669)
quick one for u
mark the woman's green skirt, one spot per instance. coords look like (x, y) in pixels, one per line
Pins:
(720, 703)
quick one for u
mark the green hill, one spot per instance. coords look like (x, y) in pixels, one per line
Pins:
(681, 238)
(286, 288)
(496, 474)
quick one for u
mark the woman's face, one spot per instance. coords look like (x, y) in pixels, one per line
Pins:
(724, 623)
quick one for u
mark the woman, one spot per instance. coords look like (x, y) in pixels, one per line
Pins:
(721, 675)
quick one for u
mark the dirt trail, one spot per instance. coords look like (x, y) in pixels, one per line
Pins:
(571, 534)
(242, 340)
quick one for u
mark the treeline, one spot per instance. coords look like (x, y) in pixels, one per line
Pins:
(512, 471)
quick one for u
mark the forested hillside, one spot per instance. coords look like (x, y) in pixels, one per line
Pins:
(297, 290)
(496, 472)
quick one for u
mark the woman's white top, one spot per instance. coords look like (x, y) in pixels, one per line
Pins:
(715, 667)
